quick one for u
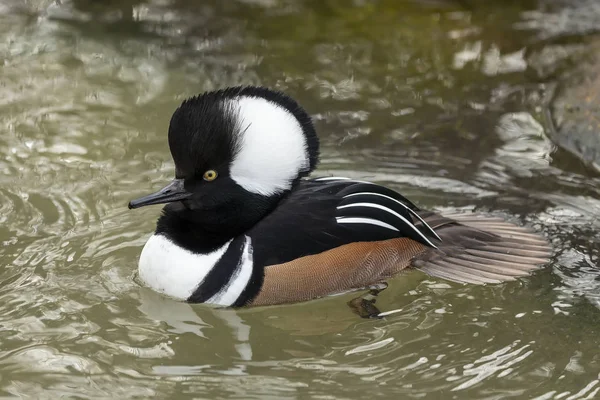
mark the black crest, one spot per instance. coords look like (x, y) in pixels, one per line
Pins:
(202, 132)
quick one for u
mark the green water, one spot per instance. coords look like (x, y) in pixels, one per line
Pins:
(444, 101)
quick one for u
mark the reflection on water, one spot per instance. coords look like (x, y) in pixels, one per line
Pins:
(441, 100)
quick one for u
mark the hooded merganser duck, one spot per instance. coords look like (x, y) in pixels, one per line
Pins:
(243, 225)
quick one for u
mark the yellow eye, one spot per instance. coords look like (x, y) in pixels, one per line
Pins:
(210, 175)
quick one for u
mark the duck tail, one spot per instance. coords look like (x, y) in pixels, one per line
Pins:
(479, 249)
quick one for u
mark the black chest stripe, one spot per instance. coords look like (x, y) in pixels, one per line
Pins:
(221, 273)
(252, 287)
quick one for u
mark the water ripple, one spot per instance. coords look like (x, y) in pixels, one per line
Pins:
(430, 101)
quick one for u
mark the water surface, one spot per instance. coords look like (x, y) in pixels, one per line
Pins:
(444, 101)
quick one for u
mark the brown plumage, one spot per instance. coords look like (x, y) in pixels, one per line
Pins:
(474, 249)
(347, 267)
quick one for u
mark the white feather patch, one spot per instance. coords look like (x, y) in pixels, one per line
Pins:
(370, 221)
(392, 212)
(172, 270)
(238, 281)
(273, 149)
(332, 178)
(401, 204)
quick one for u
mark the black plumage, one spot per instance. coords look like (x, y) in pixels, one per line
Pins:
(305, 222)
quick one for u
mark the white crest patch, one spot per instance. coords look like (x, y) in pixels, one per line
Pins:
(172, 270)
(272, 146)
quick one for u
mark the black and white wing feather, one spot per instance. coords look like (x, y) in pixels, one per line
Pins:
(325, 213)
(370, 204)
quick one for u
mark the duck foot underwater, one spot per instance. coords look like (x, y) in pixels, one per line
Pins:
(364, 305)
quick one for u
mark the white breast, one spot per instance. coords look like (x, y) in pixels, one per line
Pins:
(172, 270)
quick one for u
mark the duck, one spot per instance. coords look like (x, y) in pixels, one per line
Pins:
(244, 223)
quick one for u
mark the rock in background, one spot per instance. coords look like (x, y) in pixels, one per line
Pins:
(572, 57)
(576, 112)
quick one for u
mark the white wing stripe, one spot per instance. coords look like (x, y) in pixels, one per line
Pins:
(332, 178)
(371, 221)
(339, 178)
(402, 204)
(371, 205)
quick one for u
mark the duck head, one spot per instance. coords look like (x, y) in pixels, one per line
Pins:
(237, 152)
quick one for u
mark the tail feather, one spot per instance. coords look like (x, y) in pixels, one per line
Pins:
(477, 249)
